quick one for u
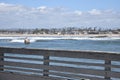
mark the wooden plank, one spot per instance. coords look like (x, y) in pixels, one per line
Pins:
(65, 62)
(22, 70)
(46, 63)
(71, 70)
(23, 51)
(21, 64)
(63, 53)
(84, 54)
(77, 70)
(75, 76)
(15, 76)
(114, 74)
(77, 63)
(85, 63)
(113, 57)
(74, 54)
(57, 68)
(107, 69)
(1, 59)
(2, 56)
(21, 58)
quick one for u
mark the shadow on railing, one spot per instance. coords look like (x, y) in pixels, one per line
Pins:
(40, 64)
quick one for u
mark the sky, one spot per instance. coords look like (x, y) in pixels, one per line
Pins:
(59, 13)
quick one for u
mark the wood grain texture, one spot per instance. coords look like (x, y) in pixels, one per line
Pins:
(61, 71)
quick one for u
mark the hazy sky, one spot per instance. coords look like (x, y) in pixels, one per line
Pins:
(59, 13)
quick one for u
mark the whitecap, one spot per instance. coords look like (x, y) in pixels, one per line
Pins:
(20, 40)
(34, 39)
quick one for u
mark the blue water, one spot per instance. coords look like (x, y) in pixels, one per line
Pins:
(65, 43)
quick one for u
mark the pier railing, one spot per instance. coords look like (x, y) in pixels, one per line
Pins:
(40, 64)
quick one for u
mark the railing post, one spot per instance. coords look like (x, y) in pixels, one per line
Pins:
(1, 59)
(46, 63)
(107, 69)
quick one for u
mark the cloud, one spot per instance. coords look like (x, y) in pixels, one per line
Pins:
(78, 12)
(43, 9)
(18, 16)
(95, 12)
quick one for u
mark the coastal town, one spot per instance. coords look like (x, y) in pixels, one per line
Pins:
(61, 31)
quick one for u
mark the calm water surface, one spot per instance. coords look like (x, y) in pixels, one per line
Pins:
(65, 43)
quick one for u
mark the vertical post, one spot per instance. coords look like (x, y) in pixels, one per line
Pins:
(107, 69)
(1, 59)
(46, 63)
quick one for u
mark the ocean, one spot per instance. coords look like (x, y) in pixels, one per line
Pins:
(107, 44)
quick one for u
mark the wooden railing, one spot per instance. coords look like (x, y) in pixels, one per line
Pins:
(40, 64)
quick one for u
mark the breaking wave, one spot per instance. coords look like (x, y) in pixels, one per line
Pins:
(37, 39)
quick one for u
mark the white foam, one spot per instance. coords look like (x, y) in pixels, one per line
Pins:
(33, 39)
(15, 40)
(6, 37)
(21, 40)
(94, 38)
(43, 38)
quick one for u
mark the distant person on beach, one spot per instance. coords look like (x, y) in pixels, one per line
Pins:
(26, 41)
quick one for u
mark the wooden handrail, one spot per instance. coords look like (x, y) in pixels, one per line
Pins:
(72, 68)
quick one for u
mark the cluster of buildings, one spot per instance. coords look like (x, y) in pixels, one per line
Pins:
(61, 31)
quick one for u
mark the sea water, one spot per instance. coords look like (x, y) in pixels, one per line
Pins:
(109, 44)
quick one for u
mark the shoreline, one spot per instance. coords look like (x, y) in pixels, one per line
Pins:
(50, 35)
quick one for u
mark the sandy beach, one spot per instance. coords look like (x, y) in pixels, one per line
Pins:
(80, 35)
